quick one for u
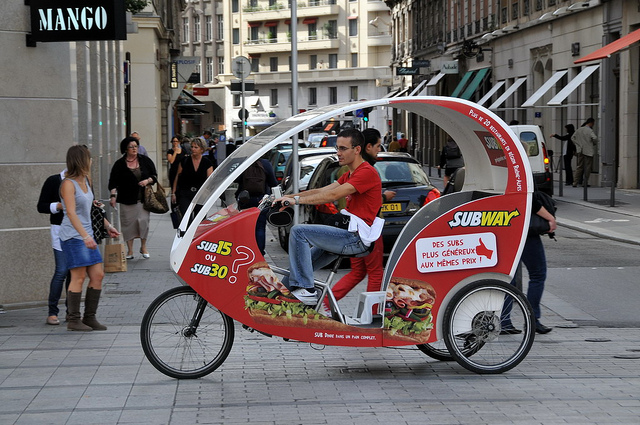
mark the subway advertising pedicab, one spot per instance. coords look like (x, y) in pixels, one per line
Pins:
(446, 286)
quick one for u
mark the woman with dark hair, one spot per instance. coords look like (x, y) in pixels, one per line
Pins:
(129, 175)
(568, 151)
(78, 245)
(175, 155)
(191, 175)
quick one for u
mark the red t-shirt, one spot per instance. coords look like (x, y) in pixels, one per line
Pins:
(367, 200)
(403, 142)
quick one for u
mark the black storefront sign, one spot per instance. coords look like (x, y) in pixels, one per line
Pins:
(407, 70)
(77, 20)
(421, 63)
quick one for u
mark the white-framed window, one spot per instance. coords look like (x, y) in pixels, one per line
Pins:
(333, 60)
(220, 66)
(209, 76)
(208, 28)
(196, 29)
(185, 30)
(333, 95)
(236, 35)
(274, 97)
(353, 92)
(220, 26)
(354, 60)
(313, 61)
(273, 64)
(313, 96)
(353, 27)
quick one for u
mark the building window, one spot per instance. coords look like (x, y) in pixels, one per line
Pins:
(539, 5)
(235, 8)
(208, 28)
(313, 96)
(333, 95)
(196, 29)
(353, 93)
(313, 31)
(220, 66)
(273, 34)
(354, 60)
(236, 100)
(485, 23)
(504, 13)
(274, 97)
(526, 7)
(313, 61)
(332, 29)
(333, 60)
(236, 35)
(515, 11)
(255, 64)
(220, 25)
(254, 34)
(353, 27)
(477, 26)
(552, 2)
(209, 76)
(253, 3)
(469, 30)
(273, 64)
(185, 30)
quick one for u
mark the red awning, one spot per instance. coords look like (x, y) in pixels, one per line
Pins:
(611, 48)
(271, 24)
(254, 24)
(287, 21)
(353, 17)
(254, 55)
(307, 21)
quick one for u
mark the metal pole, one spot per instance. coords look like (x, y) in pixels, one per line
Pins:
(295, 174)
(244, 111)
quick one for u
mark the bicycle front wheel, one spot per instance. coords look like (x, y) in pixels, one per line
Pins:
(496, 319)
(183, 336)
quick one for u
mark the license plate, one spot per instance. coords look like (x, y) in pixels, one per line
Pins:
(395, 207)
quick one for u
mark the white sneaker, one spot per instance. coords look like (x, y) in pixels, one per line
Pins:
(308, 298)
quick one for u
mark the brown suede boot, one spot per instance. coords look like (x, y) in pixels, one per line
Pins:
(91, 301)
(74, 323)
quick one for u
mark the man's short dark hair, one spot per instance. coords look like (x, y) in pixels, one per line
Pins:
(206, 133)
(371, 136)
(357, 139)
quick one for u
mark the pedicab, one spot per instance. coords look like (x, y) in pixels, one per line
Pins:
(446, 286)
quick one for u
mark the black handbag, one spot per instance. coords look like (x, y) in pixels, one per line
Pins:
(338, 220)
(537, 224)
(97, 222)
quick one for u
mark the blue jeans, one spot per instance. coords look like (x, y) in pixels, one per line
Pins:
(535, 260)
(313, 246)
(60, 274)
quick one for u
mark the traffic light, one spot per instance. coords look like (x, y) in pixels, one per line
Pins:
(365, 114)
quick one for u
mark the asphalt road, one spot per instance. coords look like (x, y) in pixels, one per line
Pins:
(592, 281)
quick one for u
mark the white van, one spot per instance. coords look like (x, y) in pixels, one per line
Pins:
(536, 148)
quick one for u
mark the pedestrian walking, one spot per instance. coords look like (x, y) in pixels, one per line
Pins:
(568, 152)
(586, 143)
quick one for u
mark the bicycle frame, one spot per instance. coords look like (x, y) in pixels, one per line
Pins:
(453, 241)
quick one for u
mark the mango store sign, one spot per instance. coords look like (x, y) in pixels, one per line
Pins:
(77, 20)
(468, 251)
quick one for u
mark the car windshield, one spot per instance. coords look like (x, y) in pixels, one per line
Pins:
(393, 173)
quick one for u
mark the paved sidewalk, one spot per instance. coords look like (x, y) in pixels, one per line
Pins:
(577, 375)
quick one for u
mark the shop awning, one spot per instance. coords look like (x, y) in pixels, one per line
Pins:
(271, 24)
(254, 24)
(392, 93)
(544, 88)
(611, 48)
(435, 80)
(573, 84)
(415, 91)
(401, 92)
(507, 94)
(307, 21)
(353, 17)
(475, 83)
(461, 85)
(491, 92)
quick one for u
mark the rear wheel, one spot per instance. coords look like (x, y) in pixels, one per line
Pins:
(487, 315)
(185, 337)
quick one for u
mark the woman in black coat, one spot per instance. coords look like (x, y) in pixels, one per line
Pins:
(567, 152)
(129, 176)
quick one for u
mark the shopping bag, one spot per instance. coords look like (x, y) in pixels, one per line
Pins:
(155, 202)
(114, 256)
(176, 216)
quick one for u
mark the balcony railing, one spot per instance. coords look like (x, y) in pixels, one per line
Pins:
(282, 6)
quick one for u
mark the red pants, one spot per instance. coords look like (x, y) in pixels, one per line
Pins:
(370, 265)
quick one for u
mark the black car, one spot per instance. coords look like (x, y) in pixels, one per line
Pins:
(398, 171)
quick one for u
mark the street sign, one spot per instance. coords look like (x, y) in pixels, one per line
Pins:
(407, 70)
(243, 114)
(241, 67)
(359, 113)
(422, 63)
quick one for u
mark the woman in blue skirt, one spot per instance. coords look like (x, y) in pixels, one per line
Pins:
(78, 245)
